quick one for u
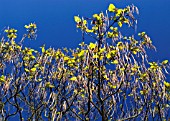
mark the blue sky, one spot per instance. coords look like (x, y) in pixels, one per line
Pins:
(56, 27)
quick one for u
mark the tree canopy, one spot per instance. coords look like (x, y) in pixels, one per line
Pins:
(109, 79)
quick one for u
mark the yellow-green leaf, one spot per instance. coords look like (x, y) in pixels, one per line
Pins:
(111, 85)
(77, 19)
(89, 31)
(96, 16)
(49, 85)
(26, 58)
(115, 62)
(66, 58)
(36, 65)
(166, 84)
(108, 55)
(39, 80)
(43, 48)
(111, 8)
(131, 94)
(92, 46)
(33, 69)
(2, 78)
(32, 57)
(81, 53)
(120, 24)
(143, 92)
(84, 22)
(120, 45)
(26, 26)
(26, 70)
(6, 30)
(73, 78)
(164, 62)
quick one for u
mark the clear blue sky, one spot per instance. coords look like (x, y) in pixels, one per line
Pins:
(56, 27)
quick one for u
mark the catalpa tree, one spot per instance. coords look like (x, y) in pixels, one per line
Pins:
(109, 79)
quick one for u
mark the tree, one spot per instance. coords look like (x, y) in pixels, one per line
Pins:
(110, 79)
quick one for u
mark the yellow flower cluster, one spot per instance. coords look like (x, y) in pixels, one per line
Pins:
(31, 26)
(11, 33)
